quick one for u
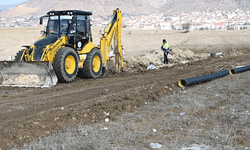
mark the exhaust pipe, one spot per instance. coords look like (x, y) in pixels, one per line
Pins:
(202, 79)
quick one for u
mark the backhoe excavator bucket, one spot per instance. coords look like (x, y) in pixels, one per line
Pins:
(27, 74)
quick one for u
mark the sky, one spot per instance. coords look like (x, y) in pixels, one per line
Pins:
(11, 2)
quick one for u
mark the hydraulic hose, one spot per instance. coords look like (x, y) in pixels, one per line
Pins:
(240, 70)
(202, 79)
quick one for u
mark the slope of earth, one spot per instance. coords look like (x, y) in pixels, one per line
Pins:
(29, 113)
(178, 6)
(208, 116)
(36, 8)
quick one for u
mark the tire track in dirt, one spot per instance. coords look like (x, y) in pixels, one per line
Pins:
(35, 101)
(116, 94)
(53, 97)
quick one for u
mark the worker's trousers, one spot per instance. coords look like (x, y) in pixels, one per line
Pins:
(165, 58)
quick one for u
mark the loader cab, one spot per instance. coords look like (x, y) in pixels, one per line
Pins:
(83, 31)
(73, 23)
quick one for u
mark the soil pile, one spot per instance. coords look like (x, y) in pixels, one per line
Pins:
(176, 56)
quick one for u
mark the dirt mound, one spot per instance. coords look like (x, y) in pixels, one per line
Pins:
(176, 57)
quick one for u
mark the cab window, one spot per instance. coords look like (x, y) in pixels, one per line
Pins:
(81, 27)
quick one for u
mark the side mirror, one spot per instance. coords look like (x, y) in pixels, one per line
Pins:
(42, 33)
(41, 20)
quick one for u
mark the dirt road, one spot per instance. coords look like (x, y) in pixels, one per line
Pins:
(29, 113)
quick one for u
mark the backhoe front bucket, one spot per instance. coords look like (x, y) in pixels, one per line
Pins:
(27, 74)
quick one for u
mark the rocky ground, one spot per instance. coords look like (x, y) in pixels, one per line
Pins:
(213, 115)
(31, 113)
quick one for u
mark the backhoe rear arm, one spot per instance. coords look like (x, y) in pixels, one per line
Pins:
(113, 32)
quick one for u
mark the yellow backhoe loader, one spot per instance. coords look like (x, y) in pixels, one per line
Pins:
(64, 50)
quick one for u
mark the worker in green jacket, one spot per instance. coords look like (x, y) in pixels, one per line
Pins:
(165, 48)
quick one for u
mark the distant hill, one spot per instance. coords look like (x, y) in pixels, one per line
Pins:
(98, 7)
(4, 7)
(105, 7)
(200, 5)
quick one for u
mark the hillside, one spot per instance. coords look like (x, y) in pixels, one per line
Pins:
(104, 7)
(98, 7)
(200, 5)
(4, 7)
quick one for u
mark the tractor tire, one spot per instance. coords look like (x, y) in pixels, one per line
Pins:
(19, 55)
(92, 66)
(66, 64)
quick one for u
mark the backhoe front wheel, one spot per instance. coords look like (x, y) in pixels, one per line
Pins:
(66, 64)
(92, 66)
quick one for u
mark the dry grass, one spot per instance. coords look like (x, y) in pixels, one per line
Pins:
(216, 117)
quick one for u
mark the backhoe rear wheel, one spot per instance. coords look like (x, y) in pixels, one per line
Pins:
(66, 64)
(19, 55)
(92, 66)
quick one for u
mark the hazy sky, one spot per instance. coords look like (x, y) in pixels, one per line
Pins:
(10, 2)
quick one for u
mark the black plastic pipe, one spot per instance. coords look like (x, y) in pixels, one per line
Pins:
(240, 70)
(202, 79)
